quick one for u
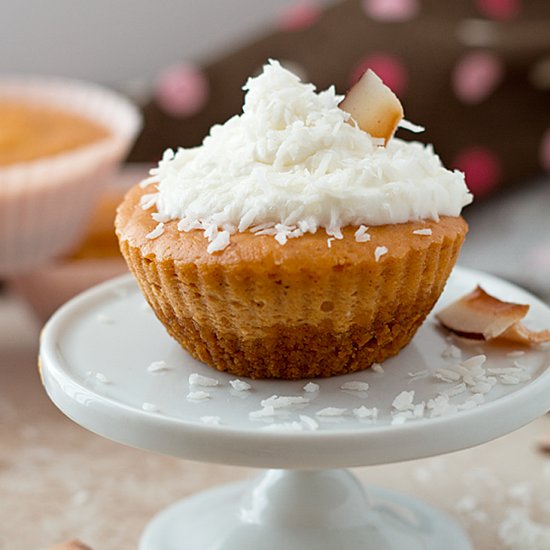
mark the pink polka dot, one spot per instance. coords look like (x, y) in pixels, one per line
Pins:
(476, 76)
(482, 169)
(391, 10)
(544, 151)
(502, 10)
(182, 90)
(387, 67)
(298, 16)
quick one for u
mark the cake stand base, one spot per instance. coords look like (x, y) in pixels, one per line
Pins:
(298, 510)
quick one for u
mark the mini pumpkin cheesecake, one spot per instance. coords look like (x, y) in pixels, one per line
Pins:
(30, 131)
(293, 243)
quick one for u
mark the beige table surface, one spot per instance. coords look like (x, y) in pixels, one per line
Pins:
(58, 481)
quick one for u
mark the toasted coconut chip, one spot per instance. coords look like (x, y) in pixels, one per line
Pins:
(480, 316)
(521, 334)
(373, 106)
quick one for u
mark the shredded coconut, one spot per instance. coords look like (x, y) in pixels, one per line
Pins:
(290, 164)
(311, 387)
(379, 252)
(422, 232)
(410, 126)
(329, 241)
(283, 401)
(364, 412)
(196, 379)
(376, 367)
(361, 235)
(198, 395)
(331, 411)
(355, 385)
(157, 232)
(240, 385)
(158, 366)
(404, 401)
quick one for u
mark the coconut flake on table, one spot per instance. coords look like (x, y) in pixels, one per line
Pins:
(240, 385)
(376, 367)
(291, 164)
(196, 379)
(311, 387)
(379, 252)
(284, 401)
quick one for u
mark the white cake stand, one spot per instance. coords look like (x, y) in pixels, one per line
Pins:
(95, 353)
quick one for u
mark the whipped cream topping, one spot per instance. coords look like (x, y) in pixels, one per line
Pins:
(291, 163)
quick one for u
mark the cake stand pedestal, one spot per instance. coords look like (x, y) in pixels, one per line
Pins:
(108, 364)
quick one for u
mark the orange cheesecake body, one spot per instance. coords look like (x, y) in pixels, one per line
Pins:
(302, 310)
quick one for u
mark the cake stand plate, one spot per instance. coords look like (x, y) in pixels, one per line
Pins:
(109, 365)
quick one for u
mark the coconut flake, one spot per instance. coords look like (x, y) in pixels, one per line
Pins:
(284, 401)
(365, 412)
(219, 243)
(240, 385)
(198, 395)
(361, 235)
(157, 232)
(422, 231)
(404, 401)
(331, 411)
(376, 367)
(355, 385)
(157, 366)
(311, 387)
(379, 252)
(480, 316)
(196, 379)
(410, 126)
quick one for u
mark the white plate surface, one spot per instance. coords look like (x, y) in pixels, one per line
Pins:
(111, 331)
